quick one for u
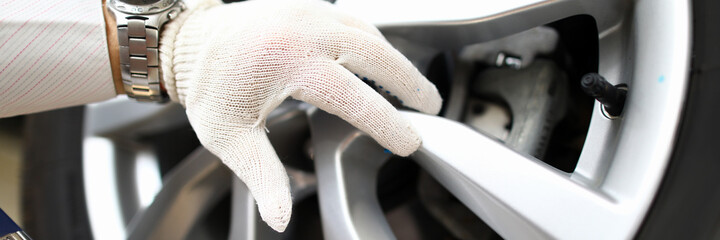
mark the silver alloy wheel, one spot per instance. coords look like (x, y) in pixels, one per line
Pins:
(644, 44)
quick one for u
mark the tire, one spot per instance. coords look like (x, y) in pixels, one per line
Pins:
(53, 199)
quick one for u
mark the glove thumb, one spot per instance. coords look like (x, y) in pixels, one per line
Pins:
(253, 159)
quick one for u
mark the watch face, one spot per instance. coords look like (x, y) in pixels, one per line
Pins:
(143, 7)
(139, 2)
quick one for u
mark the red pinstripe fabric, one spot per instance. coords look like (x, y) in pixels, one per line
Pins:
(53, 54)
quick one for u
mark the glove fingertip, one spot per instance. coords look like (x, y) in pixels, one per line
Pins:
(276, 210)
(408, 145)
(434, 104)
(429, 104)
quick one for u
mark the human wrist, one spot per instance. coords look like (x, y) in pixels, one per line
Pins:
(113, 48)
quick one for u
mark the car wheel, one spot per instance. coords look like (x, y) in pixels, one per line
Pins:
(582, 174)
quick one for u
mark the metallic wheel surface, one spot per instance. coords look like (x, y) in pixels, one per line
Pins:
(134, 192)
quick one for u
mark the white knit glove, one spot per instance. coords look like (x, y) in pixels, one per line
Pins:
(230, 65)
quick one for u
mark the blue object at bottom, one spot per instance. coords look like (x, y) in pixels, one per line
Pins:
(7, 225)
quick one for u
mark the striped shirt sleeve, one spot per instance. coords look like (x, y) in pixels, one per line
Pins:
(53, 54)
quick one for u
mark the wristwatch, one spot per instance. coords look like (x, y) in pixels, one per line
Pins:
(138, 28)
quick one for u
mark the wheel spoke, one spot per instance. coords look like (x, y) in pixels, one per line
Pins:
(123, 117)
(513, 193)
(450, 24)
(244, 217)
(347, 163)
(188, 192)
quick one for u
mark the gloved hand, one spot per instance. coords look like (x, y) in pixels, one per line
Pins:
(230, 65)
